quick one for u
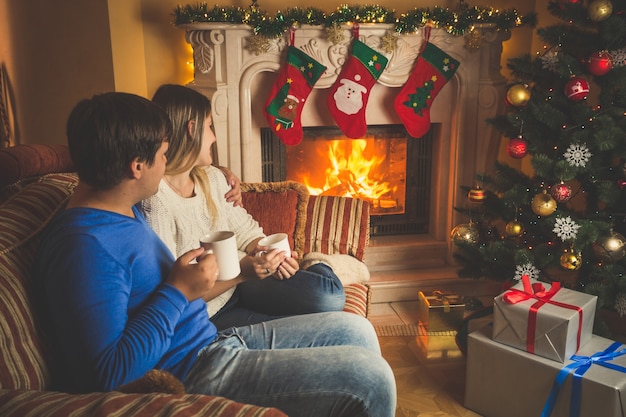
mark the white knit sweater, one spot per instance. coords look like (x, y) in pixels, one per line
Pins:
(180, 222)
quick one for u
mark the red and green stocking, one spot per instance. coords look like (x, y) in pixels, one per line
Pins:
(432, 71)
(292, 87)
(349, 94)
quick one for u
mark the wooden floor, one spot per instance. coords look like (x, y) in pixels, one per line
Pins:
(429, 370)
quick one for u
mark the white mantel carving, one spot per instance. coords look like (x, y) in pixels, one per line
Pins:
(238, 81)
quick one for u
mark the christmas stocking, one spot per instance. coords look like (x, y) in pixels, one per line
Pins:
(348, 96)
(432, 71)
(292, 87)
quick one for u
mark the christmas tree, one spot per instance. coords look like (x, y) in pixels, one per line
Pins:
(564, 217)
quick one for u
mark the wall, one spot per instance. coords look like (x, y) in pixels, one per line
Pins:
(58, 52)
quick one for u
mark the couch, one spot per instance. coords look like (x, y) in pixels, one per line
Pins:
(35, 181)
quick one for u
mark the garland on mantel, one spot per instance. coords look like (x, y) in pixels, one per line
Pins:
(456, 22)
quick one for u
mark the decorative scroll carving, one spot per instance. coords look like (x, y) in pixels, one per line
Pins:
(203, 54)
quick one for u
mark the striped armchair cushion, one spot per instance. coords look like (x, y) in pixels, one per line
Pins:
(337, 225)
(116, 404)
(23, 216)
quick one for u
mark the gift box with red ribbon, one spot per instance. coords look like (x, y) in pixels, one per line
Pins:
(440, 311)
(543, 319)
(505, 381)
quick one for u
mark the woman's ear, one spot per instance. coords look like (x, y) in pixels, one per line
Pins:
(191, 127)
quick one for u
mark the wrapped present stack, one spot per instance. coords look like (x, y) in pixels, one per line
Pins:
(540, 358)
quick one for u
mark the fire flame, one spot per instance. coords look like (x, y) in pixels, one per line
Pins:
(351, 173)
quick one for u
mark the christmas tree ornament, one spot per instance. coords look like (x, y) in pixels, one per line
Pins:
(389, 41)
(517, 148)
(349, 94)
(620, 304)
(514, 229)
(476, 194)
(599, 10)
(258, 44)
(432, 71)
(566, 228)
(564, 3)
(334, 33)
(465, 233)
(288, 94)
(610, 248)
(600, 63)
(571, 259)
(577, 154)
(561, 192)
(577, 89)
(543, 204)
(518, 95)
(526, 269)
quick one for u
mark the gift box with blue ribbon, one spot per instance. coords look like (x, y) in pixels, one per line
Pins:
(505, 381)
(544, 319)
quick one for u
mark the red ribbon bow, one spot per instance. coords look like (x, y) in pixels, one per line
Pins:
(538, 292)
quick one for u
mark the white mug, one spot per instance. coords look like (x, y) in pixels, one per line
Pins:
(224, 246)
(278, 241)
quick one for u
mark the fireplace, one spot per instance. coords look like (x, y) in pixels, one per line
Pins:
(387, 167)
(459, 145)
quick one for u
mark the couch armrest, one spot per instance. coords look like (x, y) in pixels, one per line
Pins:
(14, 403)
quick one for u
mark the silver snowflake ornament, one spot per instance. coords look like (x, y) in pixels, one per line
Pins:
(566, 228)
(526, 269)
(550, 60)
(577, 154)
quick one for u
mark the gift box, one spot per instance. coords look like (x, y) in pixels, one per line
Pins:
(505, 381)
(435, 347)
(440, 311)
(543, 319)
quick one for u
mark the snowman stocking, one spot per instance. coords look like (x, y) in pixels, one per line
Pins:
(432, 71)
(292, 87)
(349, 94)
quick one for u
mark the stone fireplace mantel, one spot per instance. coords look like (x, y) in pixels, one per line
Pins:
(238, 82)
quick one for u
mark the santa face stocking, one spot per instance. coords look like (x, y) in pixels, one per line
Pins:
(292, 87)
(349, 94)
(432, 71)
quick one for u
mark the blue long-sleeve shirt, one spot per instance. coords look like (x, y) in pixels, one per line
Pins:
(112, 317)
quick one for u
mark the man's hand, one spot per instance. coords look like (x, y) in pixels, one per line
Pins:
(194, 280)
(234, 195)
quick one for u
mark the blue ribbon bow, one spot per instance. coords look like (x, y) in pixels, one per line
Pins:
(580, 365)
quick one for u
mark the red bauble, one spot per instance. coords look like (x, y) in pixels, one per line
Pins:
(561, 192)
(563, 3)
(517, 148)
(600, 63)
(577, 89)
(476, 195)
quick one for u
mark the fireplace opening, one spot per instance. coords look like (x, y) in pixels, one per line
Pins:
(388, 168)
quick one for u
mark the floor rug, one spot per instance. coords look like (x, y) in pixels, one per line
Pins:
(409, 330)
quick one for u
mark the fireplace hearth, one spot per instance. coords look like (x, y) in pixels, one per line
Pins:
(388, 168)
(460, 144)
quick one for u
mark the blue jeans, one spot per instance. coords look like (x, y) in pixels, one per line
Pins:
(314, 290)
(325, 364)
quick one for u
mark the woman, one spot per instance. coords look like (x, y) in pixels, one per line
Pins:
(190, 203)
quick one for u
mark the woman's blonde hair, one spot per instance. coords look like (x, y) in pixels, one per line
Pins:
(182, 105)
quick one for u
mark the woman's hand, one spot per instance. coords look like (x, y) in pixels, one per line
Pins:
(288, 267)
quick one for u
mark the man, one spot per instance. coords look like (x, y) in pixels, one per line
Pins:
(120, 305)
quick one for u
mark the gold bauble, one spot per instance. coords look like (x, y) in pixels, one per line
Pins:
(610, 248)
(571, 260)
(518, 95)
(543, 204)
(465, 233)
(600, 10)
(514, 228)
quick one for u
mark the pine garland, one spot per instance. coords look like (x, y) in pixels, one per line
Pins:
(457, 22)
